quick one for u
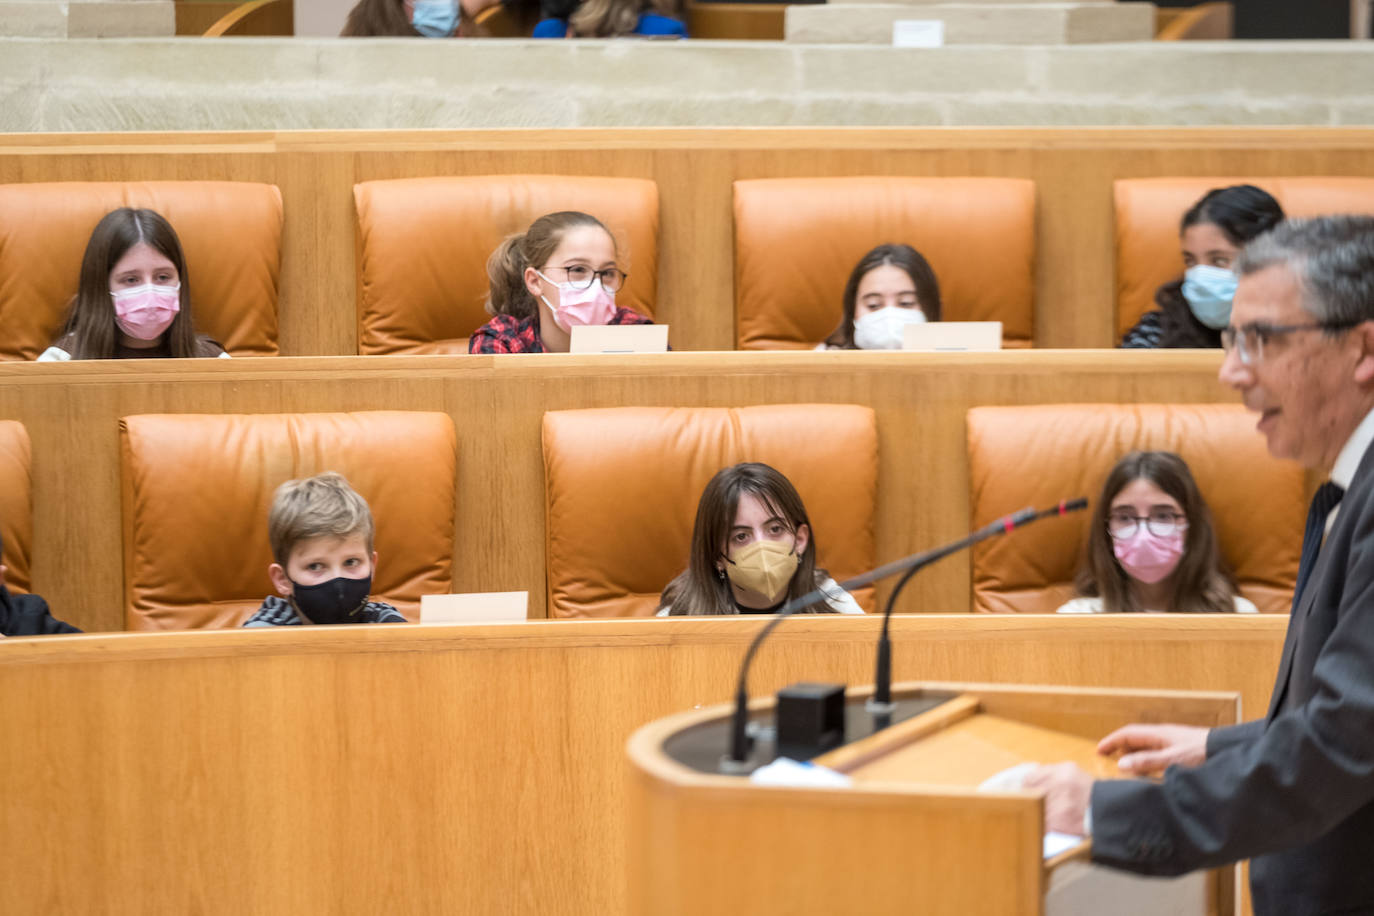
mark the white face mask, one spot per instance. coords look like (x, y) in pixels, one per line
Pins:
(883, 329)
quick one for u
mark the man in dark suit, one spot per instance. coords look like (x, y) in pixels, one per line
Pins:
(1293, 791)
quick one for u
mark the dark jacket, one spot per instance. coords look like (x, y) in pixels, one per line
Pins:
(1294, 792)
(27, 615)
(1171, 325)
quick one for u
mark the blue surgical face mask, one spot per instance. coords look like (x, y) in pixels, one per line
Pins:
(1209, 291)
(435, 18)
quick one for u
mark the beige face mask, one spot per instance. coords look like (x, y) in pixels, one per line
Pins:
(764, 567)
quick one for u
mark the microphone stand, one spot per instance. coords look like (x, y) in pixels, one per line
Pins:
(881, 702)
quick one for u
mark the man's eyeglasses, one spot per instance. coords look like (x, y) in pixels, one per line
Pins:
(1249, 340)
(580, 277)
(1161, 523)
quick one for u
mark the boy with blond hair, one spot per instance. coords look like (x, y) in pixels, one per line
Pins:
(321, 533)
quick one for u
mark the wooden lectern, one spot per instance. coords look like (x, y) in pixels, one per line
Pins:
(912, 834)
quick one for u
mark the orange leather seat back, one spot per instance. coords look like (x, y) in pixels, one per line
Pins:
(1148, 211)
(16, 505)
(1036, 456)
(798, 239)
(197, 490)
(423, 245)
(622, 486)
(230, 234)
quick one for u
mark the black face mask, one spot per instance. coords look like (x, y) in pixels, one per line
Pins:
(336, 601)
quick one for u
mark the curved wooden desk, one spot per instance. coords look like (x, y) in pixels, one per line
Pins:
(449, 769)
(911, 833)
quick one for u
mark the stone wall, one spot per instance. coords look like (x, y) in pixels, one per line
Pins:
(287, 83)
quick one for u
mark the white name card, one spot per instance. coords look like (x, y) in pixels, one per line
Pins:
(918, 33)
(474, 607)
(953, 335)
(619, 338)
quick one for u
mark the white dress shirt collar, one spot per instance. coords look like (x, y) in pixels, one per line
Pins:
(1348, 461)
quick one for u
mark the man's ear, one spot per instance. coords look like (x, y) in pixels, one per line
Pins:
(280, 580)
(1364, 365)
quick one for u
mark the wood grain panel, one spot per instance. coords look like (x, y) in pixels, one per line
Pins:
(71, 411)
(471, 770)
(1073, 169)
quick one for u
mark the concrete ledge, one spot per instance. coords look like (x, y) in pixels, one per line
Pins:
(1026, 24)
(293, 83)
(91, 19)
(41, 19)
(121, 19)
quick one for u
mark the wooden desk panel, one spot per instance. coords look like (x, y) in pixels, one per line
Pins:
(456, 770)
(72, 410)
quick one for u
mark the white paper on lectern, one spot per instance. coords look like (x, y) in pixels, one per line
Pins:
(475, 607)
(788, 772)
(619, 338)
(1013, 779)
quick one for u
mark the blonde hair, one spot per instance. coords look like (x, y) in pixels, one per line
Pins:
(312, 507)
(612, 18)
(506, 293)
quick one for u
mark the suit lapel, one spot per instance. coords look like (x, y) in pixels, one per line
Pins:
(1297, 620)
(1351, 504)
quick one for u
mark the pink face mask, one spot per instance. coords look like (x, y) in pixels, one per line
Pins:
(577, 307)
(144, 312)
(1149, 557)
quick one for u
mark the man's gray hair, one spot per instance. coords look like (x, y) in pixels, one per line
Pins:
(1332, 257)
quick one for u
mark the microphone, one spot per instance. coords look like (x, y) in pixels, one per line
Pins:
(737, 759)
(880, 703)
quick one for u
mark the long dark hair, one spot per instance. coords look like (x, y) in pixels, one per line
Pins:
(90, 331)
(903, 257)
(700, 589)
(1241, 212)
(506, 292)
(1202, 581)
(378, 19)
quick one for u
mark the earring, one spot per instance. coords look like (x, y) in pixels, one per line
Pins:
(720, 572)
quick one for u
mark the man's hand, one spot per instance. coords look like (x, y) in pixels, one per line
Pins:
(1152, 748)
(1067, 790)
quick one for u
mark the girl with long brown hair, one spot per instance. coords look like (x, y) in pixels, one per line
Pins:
(1151, 544)
(133, 300)
(891, 286)
(559, 273)
(752, 550)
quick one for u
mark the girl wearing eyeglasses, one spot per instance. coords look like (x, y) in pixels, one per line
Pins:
(559, 273)
(1151, 545)
(1192, 310)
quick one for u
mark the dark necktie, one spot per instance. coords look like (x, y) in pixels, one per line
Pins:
(1325, 499)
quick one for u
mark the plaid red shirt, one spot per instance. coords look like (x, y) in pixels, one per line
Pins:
(505, 334)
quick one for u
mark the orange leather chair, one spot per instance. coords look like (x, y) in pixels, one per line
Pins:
(622, 486)
(1036, 456)
(798, 239)
(423, 245)
(197, 489)
(16, 505)
(1148, 211)
(230, 233)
